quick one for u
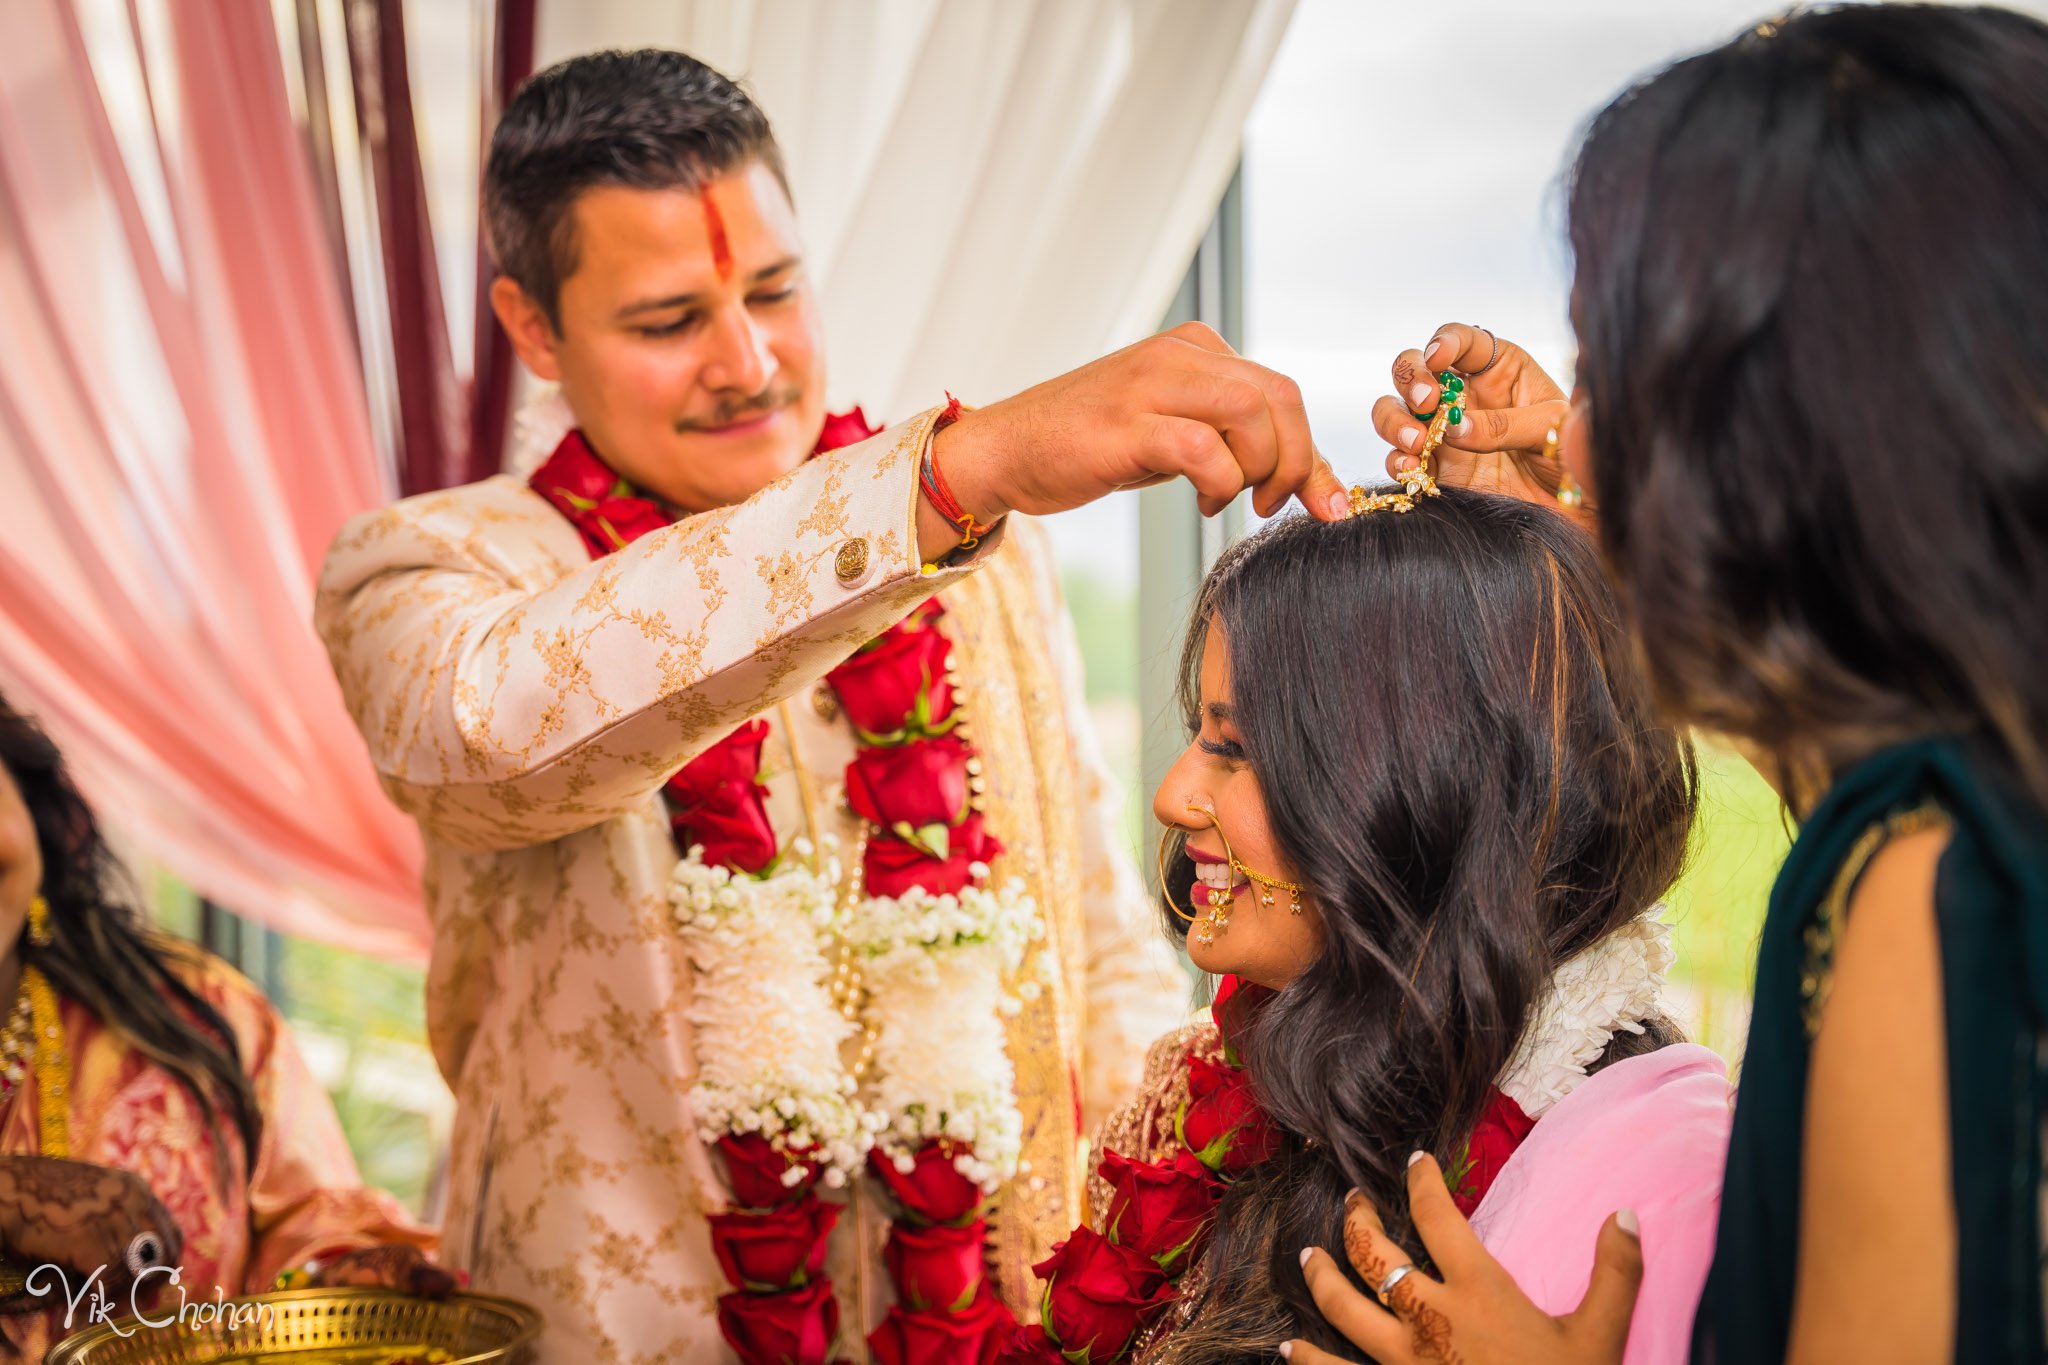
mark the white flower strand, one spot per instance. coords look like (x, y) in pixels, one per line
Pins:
(1609, 988)
(768, 1037)
(935, 967)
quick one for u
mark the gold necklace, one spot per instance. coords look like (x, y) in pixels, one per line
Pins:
(34, 1037)
(17, 1044)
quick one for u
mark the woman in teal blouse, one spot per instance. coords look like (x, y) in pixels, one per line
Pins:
(1811, 298)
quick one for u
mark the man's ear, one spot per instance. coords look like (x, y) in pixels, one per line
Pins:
(533, 336)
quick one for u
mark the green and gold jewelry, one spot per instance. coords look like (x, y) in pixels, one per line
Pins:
(1418, 482)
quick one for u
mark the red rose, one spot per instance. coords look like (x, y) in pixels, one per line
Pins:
(937, 1266)
(1221, 1123)
(893, 867)
(776, 1249)
(1499, 1131)
(844, 429)
(931, 1337)
(603, 507)
(755, 1169)
(796, 1327)
(1097, 1295)
(717, 801)
(1164, 1210)
(1029, 1346)
(879, 687)
(931, 1190)
(923, 782)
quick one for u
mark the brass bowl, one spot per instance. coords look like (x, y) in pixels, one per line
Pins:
(319, 1327)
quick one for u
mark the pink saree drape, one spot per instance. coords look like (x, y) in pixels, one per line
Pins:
(182, 429)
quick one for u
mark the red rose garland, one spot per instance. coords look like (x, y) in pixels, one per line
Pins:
(917, 781)
(716, 799)
(772, 1246)
(1103, 1288)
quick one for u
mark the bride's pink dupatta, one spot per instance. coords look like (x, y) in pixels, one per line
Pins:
(1649, 1133)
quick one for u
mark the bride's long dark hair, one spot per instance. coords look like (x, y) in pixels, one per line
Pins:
(1459, 756)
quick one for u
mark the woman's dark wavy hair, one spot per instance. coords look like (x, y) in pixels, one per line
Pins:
(1458, 755)
(103, 955)
(1812, 308)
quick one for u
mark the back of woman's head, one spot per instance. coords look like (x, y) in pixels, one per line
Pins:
(1457, 756)
(1812, 305)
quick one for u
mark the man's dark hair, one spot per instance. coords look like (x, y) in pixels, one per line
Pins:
(649, 119)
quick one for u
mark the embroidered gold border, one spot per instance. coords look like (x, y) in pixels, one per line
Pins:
(1018, 723)
(1824, 936)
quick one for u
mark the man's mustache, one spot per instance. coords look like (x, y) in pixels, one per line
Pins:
(771, 399)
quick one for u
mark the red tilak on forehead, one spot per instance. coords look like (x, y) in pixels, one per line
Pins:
(714, 223)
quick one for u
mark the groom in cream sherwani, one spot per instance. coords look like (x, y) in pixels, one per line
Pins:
(520, 700)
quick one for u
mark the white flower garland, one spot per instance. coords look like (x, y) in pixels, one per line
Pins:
(768, 1036)
(935, 968)
(1609, 988)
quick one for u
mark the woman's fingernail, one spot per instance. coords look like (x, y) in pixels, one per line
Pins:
(1408, 438)
(1625, 1219)
(1287, 1350)
(1307, 1252)
(1421, 394)
(1429, 352)
(1339, 505)
(1414, 1157)
(1406, 463)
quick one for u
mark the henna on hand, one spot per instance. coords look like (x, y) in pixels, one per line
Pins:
(1429, 1330)
(1372, 1255)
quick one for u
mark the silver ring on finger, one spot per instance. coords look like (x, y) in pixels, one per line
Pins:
(145, 1251)
(1492, 358)
(1394, 1277)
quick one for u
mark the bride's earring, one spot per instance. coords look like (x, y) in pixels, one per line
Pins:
(38, 922)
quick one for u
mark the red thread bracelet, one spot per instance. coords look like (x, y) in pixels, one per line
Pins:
(933, 484)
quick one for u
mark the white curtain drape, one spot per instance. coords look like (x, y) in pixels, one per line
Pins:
(1016, 186)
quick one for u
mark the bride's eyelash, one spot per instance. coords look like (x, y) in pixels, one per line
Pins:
(1223, 748)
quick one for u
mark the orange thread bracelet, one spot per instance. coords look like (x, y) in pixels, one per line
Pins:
(933, 485)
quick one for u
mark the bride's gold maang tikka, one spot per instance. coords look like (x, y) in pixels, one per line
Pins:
(1417, 482)
(1221, 903)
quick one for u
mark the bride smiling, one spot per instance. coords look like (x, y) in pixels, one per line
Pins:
(1425, 819)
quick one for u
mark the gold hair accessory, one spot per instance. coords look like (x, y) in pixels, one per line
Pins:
(38, 921)
(1417, 482)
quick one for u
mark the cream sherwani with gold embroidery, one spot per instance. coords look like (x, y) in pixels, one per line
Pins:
(525, 704)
